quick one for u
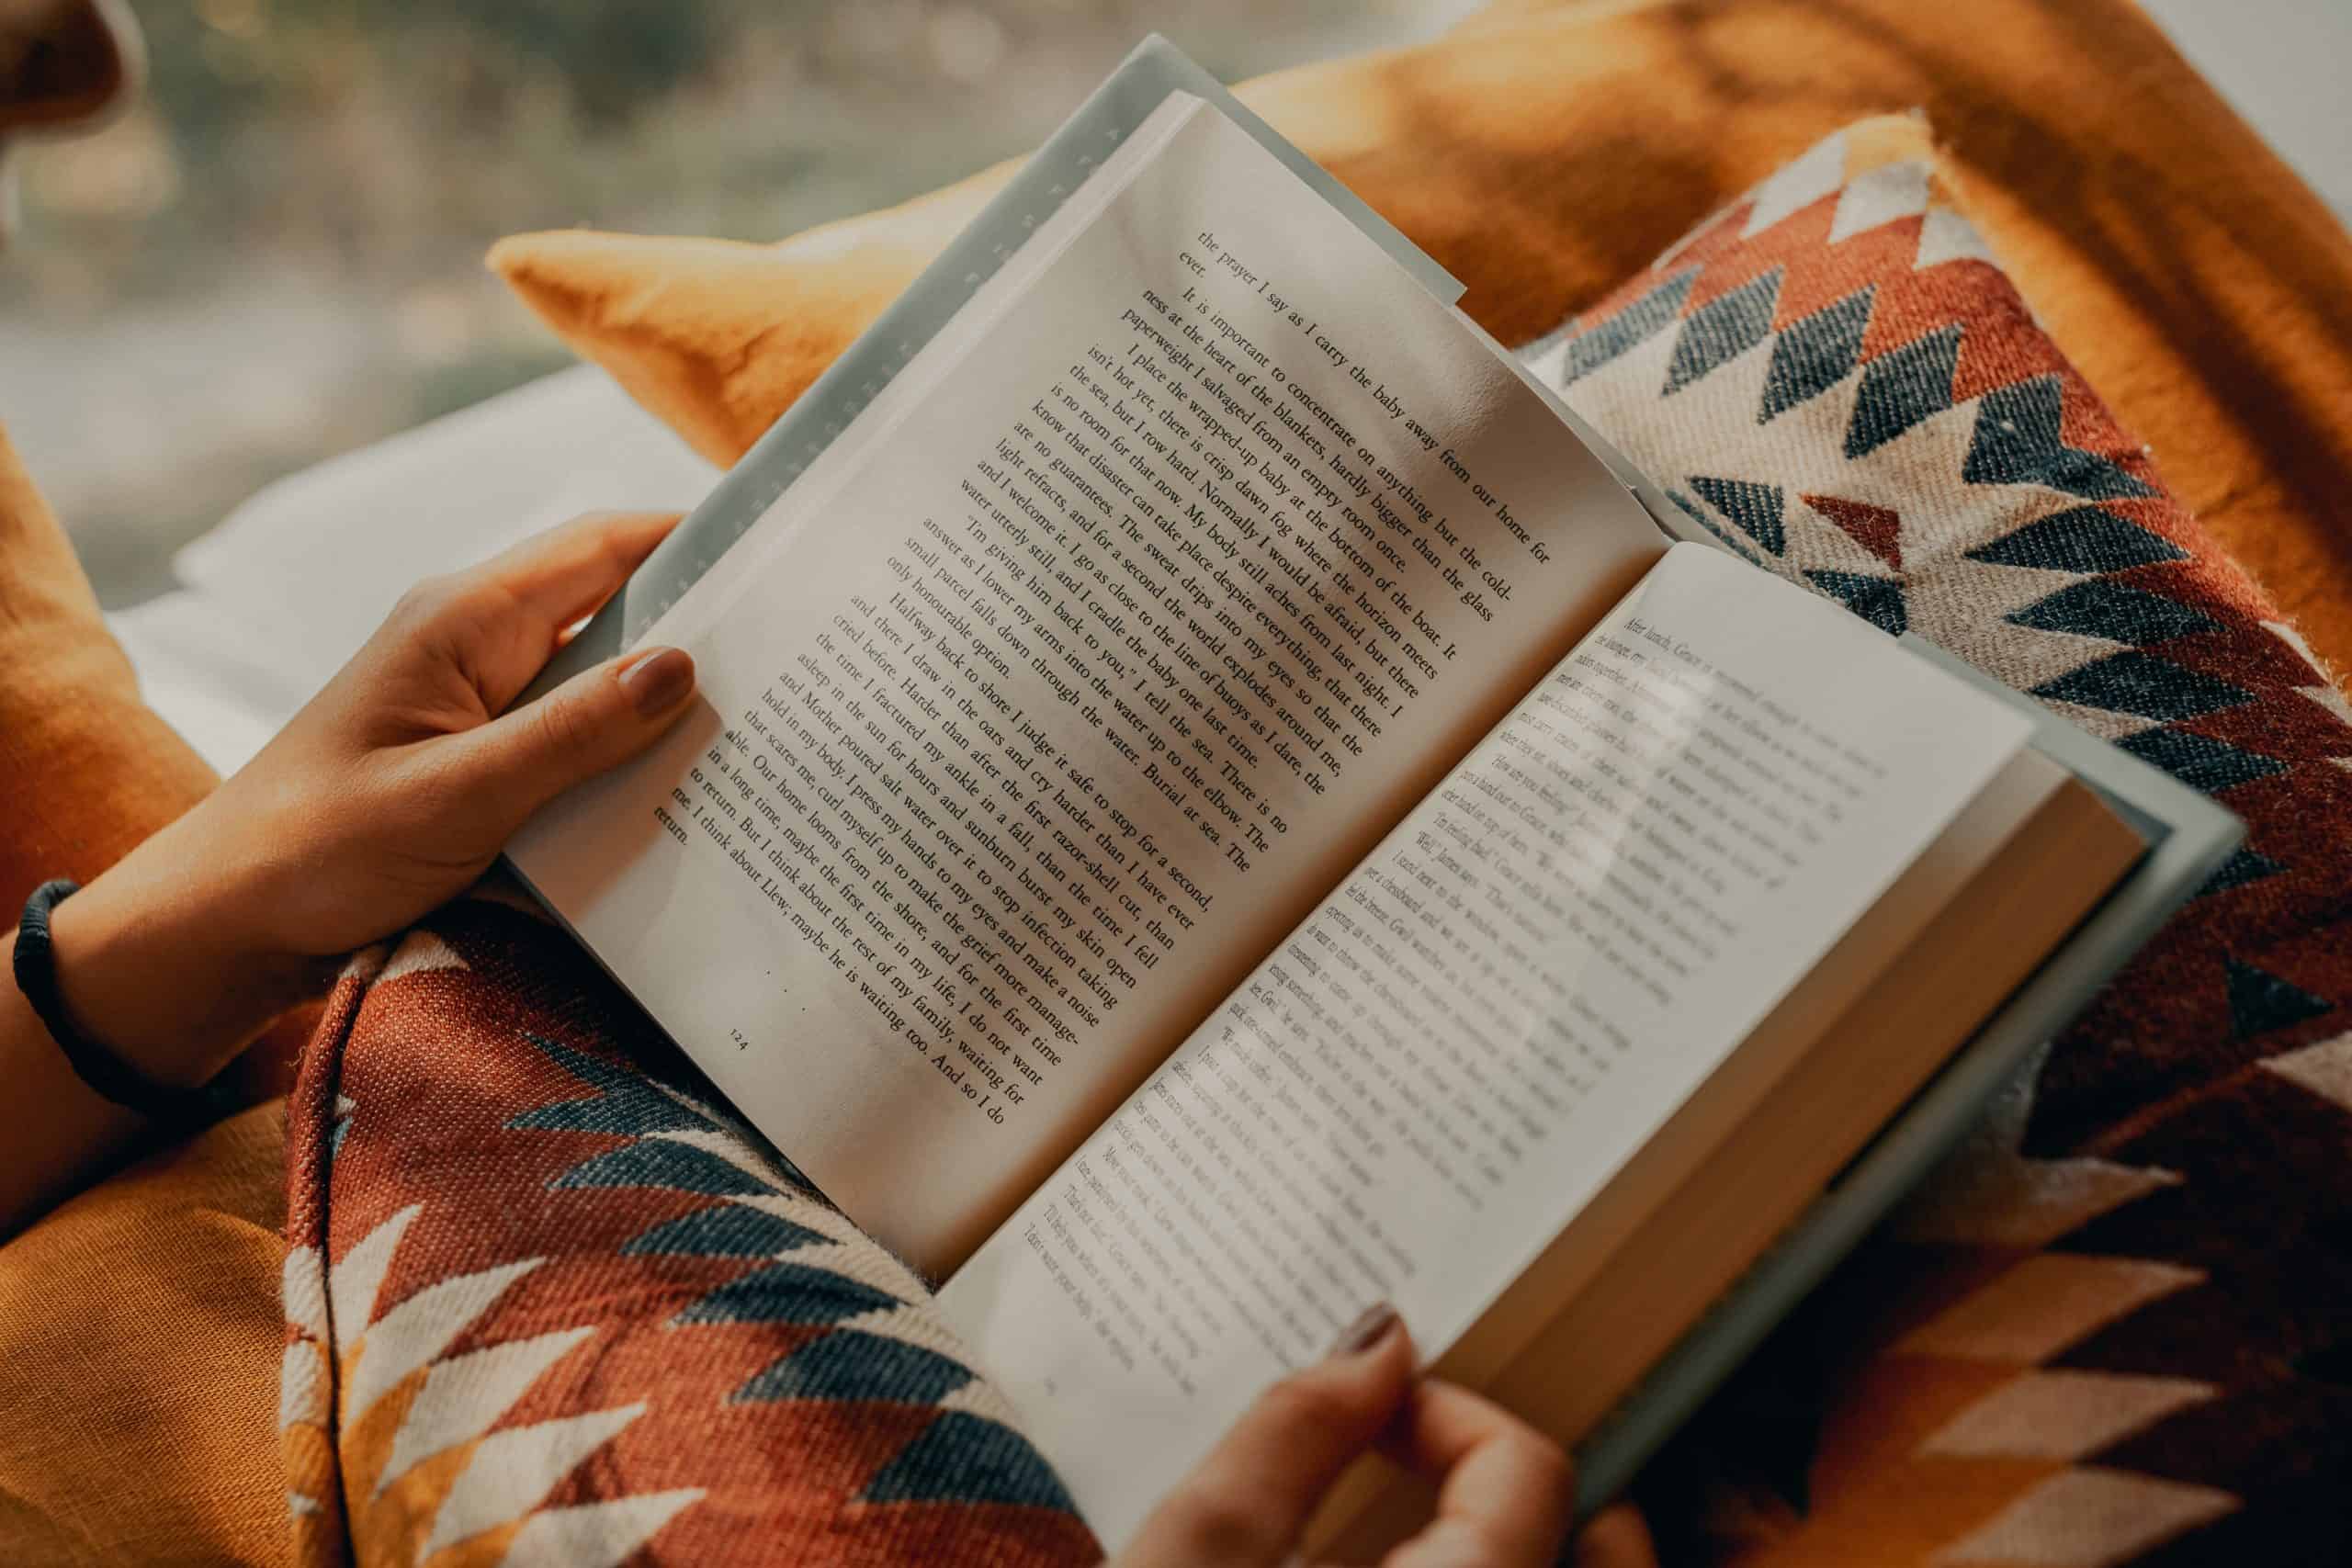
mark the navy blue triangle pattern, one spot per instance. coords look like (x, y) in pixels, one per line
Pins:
(2081, 538)
(2261, 1001)
(1814, 355)
(1734, 541)
(2017, 441)
(2199, 760)
(669, 1165)
(2140, 683)
(957, 1457)
(1901, 390)
(2241, 868)
(963, 1457)
(629, 1103)
(725, 1230)
(851, 1364)
(1636, 323)
(788, 1292)
(1722, 330)
(1757, 509)
(626, 1103)
(1878, 599)
(2115, 611)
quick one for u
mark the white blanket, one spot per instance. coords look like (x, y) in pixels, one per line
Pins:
(275, 598)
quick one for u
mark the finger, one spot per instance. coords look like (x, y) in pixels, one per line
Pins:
(1251, 1497)
(566, 571)
(512, 610)
(1617, 1538)
(1504, 1495)
(596, 720)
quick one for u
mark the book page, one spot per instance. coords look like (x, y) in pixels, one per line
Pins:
(1108, 638)
(1484, 1021)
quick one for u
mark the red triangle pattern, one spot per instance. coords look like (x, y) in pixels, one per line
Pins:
(1877, 529)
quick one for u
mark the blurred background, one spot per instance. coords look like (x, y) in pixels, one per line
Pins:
(277, 255)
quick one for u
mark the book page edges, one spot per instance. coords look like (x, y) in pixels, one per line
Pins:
(1999, 891)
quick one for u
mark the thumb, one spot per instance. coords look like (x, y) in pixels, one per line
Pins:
(598, 719)
(1248, 1501)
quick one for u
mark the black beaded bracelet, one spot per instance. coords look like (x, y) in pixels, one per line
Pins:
(106, 1074)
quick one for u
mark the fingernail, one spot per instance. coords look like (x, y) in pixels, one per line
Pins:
(657, 680)
(1367, 1330)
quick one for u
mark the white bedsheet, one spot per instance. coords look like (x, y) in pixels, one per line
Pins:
(277, 597)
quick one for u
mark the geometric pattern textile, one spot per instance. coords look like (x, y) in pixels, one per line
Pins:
(2117, 1329)
(548, 1302)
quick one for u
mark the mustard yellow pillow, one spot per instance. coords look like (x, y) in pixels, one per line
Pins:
(139, 1342)
(140, 1329)
(87, 769)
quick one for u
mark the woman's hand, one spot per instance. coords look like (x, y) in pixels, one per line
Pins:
(398, 785)
(390, 793)
(1504, 1493)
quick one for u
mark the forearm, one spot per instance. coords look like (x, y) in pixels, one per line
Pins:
(61, 1130)
(390, 793)
(154, 965)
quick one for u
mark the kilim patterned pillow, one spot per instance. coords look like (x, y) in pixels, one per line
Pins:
(547, 1302)
(2119, 1329)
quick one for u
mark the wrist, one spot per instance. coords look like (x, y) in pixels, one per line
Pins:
(162, 961)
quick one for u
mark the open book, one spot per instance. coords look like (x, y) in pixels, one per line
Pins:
(1211, 807)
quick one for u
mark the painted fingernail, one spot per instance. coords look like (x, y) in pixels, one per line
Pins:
(1369, 1329)
(657, 680)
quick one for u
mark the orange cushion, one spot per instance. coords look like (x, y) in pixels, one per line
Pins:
(139, 1332)
(86, 769)
(1544, 152)
(139, 1342)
